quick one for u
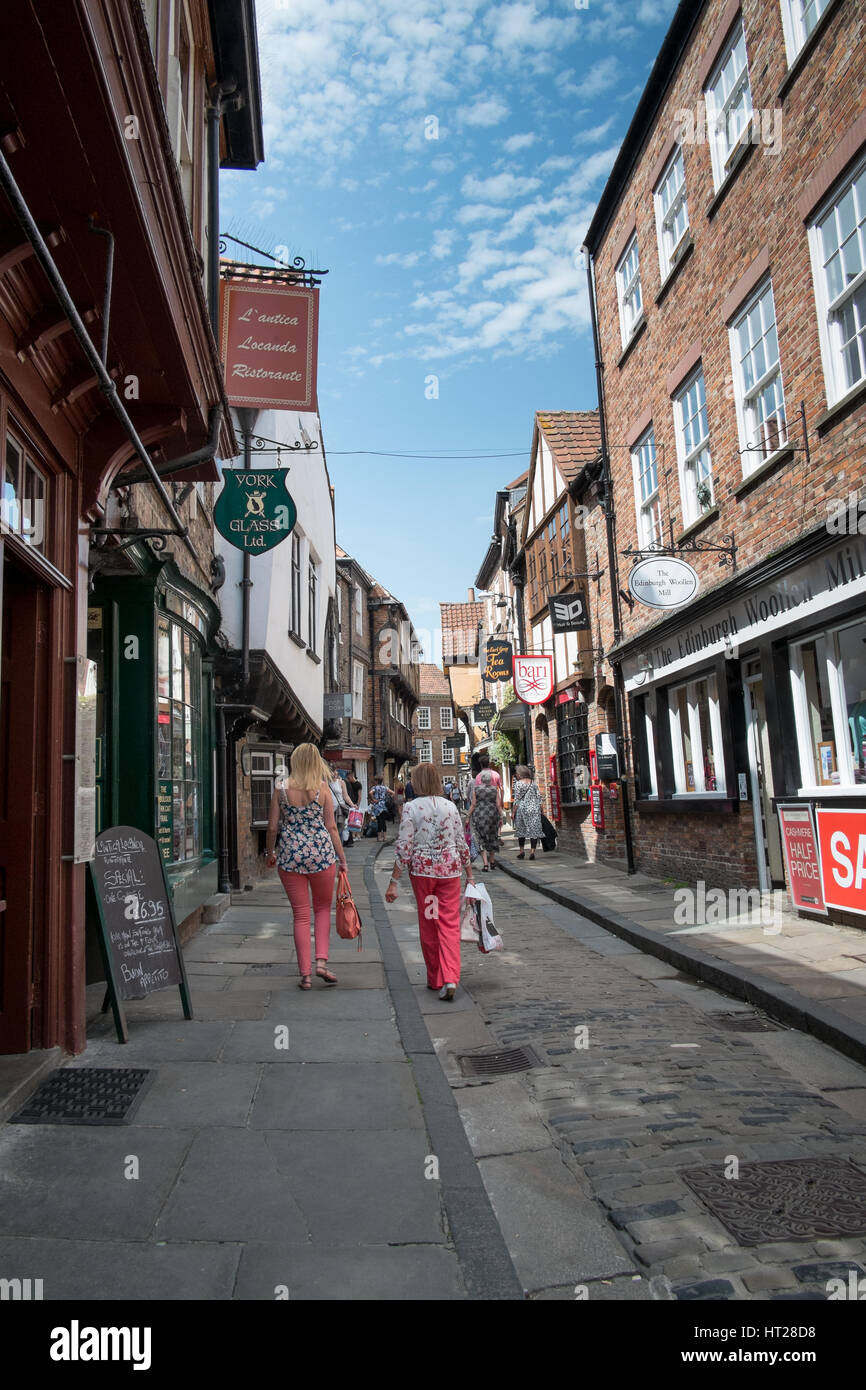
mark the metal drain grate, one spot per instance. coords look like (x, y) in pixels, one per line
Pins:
(498, 1063)
(789, 1199)
(85, 1096)
(744, 1023)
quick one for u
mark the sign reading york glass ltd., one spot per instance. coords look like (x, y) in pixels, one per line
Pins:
(269, 343)
(663, 583)
(254, 511)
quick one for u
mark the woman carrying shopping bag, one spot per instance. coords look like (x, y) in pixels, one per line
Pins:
(485, 814)
(431, 845)
(527, 810)
(306, 855)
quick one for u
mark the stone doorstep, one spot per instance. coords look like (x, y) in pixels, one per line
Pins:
(216, 907)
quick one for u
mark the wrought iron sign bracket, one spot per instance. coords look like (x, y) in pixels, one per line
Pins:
(727, 553)
(157, 536)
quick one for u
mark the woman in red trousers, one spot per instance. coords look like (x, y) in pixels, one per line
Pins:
(432, 845)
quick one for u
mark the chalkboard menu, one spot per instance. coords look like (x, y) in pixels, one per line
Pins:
(139, 937)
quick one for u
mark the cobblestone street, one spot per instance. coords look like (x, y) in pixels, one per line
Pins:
(643, 1074)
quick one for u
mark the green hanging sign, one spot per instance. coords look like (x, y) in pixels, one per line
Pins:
(255, 511)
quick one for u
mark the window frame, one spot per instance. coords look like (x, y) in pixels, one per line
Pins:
(826, 639)
(359, 611)
(751, 454)
(276, 771)
(629, 318)
(22, 528)
(295, 608)
(796, 35)
(448, 725)
(358, 693)
(426, 754)
(424, 710)
(723, 156)
(668, 259)
(644, 505)
(687, 459)
(448, 758)
(681, 790)
(829, 311)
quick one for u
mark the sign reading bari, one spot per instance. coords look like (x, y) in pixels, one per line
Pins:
(255, 511)
(269, 343)
(533, 679)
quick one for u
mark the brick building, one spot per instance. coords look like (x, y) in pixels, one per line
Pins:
(462, 643)
(393, 684)
(728, 256)
(434, 722)
(352, 748)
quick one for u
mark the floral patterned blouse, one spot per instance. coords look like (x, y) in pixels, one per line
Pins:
(431, 842)
(379, 799)
(304, 845)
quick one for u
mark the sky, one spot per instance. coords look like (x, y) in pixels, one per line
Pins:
(441, 159)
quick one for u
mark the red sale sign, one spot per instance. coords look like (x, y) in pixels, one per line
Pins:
(842, 846)
(801, 857)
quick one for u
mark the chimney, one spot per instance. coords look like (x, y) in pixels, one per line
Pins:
(471, 593)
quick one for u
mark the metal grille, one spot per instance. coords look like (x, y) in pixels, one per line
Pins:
(790, 1199)
(85, 1096)
(497, 1063)
(744, 1023)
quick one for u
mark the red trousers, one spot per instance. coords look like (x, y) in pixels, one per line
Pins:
(438, 902)
(298, 888)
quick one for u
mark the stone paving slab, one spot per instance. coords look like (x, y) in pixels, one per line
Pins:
(361, 1273)
(501, 1119)
(124, 1270)
(315, 1040)
(338, 1096)
(192, 1095)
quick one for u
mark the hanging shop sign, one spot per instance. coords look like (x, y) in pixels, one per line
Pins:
(568, 612)
(663, 583)
(606, 758)
(842, 854)
(455, 741)
(800, 844)
(255, 511)
(497, 660)
(338, 705)
(533, 679)
(483, 711)
(269, 343)
(596, 802)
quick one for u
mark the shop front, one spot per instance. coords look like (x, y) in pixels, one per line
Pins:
(753, 698)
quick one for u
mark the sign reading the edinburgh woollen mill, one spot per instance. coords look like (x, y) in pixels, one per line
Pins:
(663, 583)
(269, 343)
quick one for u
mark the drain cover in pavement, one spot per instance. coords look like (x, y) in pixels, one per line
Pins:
(744, 1023)
(790, 1199)
(497, 1063)
(84, 1096)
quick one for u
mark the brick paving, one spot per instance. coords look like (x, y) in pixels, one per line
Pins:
(668, 1080)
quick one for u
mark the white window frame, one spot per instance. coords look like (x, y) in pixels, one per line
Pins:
(267, 765)
(646, 506)
(827, 643)
(358, 673)
(794, 25)
(694, 731)
(755, 455)
(628, 291)
(720, 107)
(666, 219)
(424, 720)
(695, 463)
(340, 613)
(20, 516)
(426, 755)
(359, 611)
(830, 310)
(650, 749)
(446, 717)
(448, 759)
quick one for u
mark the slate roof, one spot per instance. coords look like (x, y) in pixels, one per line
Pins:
(574, 437)
(460, 632)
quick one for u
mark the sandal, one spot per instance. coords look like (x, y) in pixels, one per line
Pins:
(305, 982)
(532, 855)
(325, 974)
(521, 855)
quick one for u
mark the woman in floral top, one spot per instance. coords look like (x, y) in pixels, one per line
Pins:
(379, 805)
(305, 854)
(432, 845)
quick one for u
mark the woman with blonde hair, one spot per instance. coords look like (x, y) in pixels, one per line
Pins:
(431, 844)
(306, 854)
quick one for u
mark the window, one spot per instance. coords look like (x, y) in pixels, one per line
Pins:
(564, 533)
(23, 500)
(672, 213)
(533, 581)
(644, 737)
(646, 490)
(729, 104)
(357, 690)
(295, 618)
(828, 674)
(340, 613)
(424, 717)
(359, 611)
(392, 704)
(426, 755)
(758, 380)
(629, 292)
(447, 754)
(268, 771)
(573, 751)
(179, 737)
(696, 738)
(838, 242)
(693, 453)
(312, 588)
(446, 717)
(799, 18)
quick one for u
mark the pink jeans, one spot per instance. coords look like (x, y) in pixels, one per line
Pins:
(438, 902)
(298, 894)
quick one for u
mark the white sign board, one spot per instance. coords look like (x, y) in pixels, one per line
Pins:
(663, 583)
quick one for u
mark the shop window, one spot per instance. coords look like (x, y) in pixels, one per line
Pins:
(179, 735)
(23, 501)
(838, 242)
(646, 490)
(758, 380)
(629, 292)
(729, 104)
(268, 772)
(696, 738)
(573, 752)
(672, 212)
(693, 451)
(644, 738)
(829, 683)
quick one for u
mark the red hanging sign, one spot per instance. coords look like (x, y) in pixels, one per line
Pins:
(596, 801)
(269, 344)
(533, 679)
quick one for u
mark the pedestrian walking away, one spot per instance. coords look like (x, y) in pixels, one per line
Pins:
(431, 845)
(379, 806)
(304, 844)
(527, 810)
(399, 800)
(485, 814)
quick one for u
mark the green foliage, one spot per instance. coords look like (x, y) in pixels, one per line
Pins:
(505, 748)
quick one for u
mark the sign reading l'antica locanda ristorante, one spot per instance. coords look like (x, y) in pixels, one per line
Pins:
(269, 344)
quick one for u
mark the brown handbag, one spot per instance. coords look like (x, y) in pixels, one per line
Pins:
(348, 916)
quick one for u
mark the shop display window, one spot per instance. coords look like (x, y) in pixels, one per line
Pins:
(696, 738)
(828, 674)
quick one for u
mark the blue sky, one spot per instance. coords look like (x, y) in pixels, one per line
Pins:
(442, 159)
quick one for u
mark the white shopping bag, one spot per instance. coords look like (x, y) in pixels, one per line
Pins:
(487, 937)
(470, 915)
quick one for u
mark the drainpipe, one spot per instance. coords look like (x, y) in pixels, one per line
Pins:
(613, 569)
(225, 885)
(521, 637)
(221, 101)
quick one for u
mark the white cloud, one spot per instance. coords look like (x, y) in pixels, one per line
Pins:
(499, 188)
(488, 112)
(514, 143)
(443, 240)
(406, 259)
(480, 212)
